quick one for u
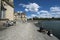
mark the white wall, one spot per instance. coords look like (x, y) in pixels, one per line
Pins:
(9, 12)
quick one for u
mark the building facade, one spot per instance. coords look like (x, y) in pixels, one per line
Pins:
(0, 8)
(7, 9)
(21, 17)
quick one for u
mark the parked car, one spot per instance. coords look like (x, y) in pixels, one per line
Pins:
(8, 23)
(11, 23)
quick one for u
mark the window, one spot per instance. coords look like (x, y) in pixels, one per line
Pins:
(5, 4)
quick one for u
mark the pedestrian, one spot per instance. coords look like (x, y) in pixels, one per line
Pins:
(41, 28)
(50, 33)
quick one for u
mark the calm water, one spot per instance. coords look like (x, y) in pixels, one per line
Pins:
(52, 25)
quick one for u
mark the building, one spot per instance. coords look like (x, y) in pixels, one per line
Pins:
(0, 8)
(20, 16)
(2, 12)
(7, 9)
(17, 17)
(23, 17)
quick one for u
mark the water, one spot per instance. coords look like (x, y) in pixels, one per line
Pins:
(52, 25)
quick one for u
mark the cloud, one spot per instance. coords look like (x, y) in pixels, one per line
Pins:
(33, 15)
(19, 11)
(26, 10)
(29, 17)
(55, 11)
(44, 14)
(31, 7)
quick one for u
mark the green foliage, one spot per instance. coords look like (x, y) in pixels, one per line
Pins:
(36, 18)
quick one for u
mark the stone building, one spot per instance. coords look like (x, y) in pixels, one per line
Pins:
(17, 16)
(7, 9)
(23, 17)
(0, 8)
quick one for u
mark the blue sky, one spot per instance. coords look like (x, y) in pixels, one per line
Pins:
(39, 8)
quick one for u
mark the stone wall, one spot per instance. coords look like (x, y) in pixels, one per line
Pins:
(9, 13)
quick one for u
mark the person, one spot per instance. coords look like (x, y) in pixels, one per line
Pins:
(41, 28)
(7, 23)
(50, 33)
(15, 21)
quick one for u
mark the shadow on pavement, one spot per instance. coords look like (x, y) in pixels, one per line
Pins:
(3, 28)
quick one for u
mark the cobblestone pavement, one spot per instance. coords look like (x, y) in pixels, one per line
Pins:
(23, 31)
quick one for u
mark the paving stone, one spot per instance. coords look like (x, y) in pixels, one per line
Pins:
(23, 31)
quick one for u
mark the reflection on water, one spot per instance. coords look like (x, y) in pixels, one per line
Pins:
(52, 25)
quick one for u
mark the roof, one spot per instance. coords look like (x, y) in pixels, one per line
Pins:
(23, 14)
(8, 3)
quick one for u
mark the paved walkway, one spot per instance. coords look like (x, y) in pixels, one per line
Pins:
(23, 31)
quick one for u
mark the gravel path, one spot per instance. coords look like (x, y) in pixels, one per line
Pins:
(23, 31)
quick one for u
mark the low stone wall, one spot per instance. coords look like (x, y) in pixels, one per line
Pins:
(2, 24)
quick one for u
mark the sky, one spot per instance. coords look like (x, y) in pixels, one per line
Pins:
(38, 8)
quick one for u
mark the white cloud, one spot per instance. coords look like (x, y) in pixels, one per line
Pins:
(26, 10)
(55, 11)
(19, 11)
(33, 15)
(31, 7)
(44, 14)
(29, 17)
